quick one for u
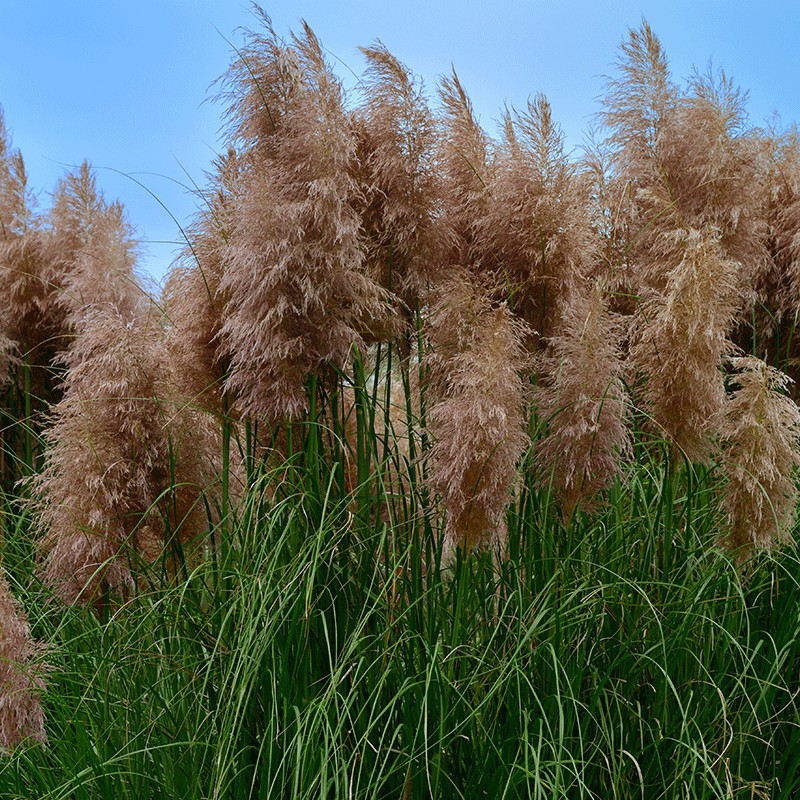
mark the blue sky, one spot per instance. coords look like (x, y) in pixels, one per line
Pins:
(125, 85)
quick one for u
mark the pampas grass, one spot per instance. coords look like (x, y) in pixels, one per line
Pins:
(536, 225)
(148, 460)
(476, 412)
(295, 516)
(465, 159)
(680, 338)
(53, 266)
(397, 154)
(760, 427)
(106, 455)
(192, 296)
(688, 171)
(299, 297)
(684, 160)
(582, 401)
(21, 675)
(23, 274)
(92, 252)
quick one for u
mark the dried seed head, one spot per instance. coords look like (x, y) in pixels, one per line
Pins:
(537, 227)
(21, 679)
(680, 337)
(192, 296)
(465, 158)
(105, 459)
(760, 427)
(298, 296)
(476, 412)
(583, 401)
(92, 252)
(397, 144)
(23, 275)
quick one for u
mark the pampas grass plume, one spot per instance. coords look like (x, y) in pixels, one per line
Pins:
(92, 251)
(192, 296)
(760, 426)
(21, 681)
(23, 278)
(397, 148)
(476, 412)
(583, 401)
(537, 227)
(96, 492)
(680, 337)
(298, 294)
(465, 158)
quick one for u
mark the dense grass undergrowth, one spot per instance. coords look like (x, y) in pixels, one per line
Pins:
(320, 652)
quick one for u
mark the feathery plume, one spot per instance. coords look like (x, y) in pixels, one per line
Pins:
(476, 412)
(103, 272)
(192, 296)
(684, 160)
(778, 287)
(537, 226)
(760, 426)
(397, 141)
(49, 273)
(127, 452)
(21, 681)
(711, 160)
(106, 452)
(298, 295)
(695, 230)
(465, 158)
(23, 278)
(583, 402)
(639, 101)
(680, 337)
(93, 253)
(260, 87)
